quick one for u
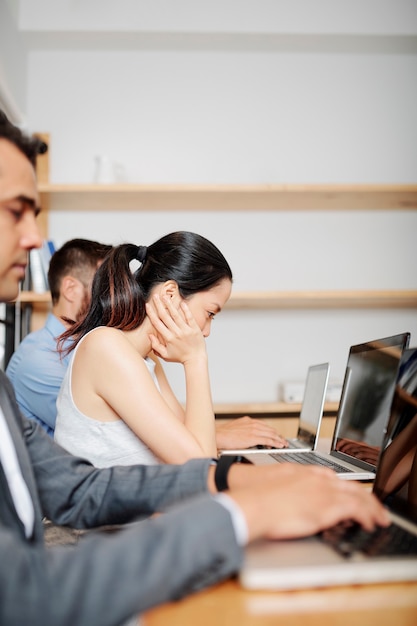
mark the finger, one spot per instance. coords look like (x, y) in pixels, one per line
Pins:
(173, 311)
(269, 438)
(152, 312)
(367, 510)
(157, 346)
(273, 439)
(174, 317)
(271, 442)
(186, 310)
(261, 432)
(158, 315)
(189, 317)
(165, 310)
(256, 425)
(349, 501)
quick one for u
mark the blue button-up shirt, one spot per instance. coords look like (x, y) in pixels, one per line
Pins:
(36, 370)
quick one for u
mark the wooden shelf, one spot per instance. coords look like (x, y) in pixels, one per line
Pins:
(359, 299)
(130, 197)
(32, 297)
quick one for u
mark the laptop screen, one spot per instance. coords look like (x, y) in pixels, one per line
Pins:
(396, 478)
(367, 394)
(313, 402)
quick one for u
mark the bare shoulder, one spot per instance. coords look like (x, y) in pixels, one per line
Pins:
(102, 340)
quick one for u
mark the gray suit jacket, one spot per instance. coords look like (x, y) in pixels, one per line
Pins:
(105, 579)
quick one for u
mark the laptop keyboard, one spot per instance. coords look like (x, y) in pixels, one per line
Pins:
(348, 540)
(308, 458)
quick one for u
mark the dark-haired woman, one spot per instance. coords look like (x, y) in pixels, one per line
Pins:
(116, 405)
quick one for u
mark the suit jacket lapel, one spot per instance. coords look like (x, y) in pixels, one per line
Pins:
(14, 423)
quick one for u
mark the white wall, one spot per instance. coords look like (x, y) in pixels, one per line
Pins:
(219, 16)
(265, 92)
(228, 117)
(13, 65)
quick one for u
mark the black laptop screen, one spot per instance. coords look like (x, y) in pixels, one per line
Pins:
(365, 405)
(396, 478)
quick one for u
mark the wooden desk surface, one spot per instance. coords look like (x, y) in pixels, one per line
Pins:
(267, 409)
(228, 604)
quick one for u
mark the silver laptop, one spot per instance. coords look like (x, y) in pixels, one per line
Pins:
(365, 403)
(310, 416)
(348, 554)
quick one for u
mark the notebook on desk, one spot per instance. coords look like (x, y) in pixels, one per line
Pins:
(347, 554)
(365, 403)
(310, 416)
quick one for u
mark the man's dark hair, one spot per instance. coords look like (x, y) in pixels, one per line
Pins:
(29, 145)
(77, 258)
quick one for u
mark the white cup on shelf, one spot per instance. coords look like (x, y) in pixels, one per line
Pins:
(107, 171)
(103, 170)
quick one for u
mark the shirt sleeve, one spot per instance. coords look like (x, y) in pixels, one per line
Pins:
(240, 526)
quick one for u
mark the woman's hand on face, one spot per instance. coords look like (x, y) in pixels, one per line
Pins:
(177, 336)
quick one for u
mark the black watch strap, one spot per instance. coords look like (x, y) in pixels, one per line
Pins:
(222, 469)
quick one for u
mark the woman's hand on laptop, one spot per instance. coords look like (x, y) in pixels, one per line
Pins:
(293, 501)
(246, 432)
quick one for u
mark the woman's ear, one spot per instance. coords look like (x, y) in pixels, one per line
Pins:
(170, 289)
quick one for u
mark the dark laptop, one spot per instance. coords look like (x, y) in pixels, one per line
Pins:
(365, 403)
(347, 554)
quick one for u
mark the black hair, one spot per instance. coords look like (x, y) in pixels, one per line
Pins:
(78, 258)
(119, 296)
(30, 146)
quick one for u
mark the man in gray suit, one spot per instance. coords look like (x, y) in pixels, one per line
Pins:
(199, 538)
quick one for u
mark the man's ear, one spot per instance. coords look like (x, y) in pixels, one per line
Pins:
(70, 288)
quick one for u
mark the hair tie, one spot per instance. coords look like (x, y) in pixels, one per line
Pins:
(141, 253)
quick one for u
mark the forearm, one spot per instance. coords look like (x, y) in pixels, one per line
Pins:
(234, 475)
(244, 475)
(132, 570)
(199, 415)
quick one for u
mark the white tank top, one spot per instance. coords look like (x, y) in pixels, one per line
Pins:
(104, 444)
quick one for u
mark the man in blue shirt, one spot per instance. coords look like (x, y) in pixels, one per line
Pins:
(36, 369)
